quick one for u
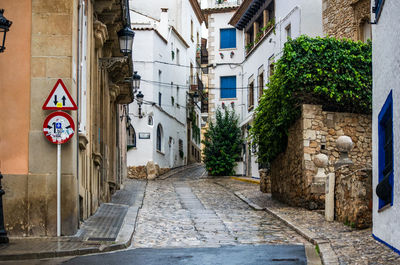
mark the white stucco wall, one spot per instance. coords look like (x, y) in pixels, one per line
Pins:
(161, 74)
(304, 17)
(386, 78)
(226, 65)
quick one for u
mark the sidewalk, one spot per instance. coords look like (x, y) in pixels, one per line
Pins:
(110, 228)
(337, 243)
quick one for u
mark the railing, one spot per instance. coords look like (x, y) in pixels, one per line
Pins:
(225, 3)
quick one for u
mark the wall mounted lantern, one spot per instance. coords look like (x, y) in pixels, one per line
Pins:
(5, 25)
(139, 99)
(136, 81)
(125, 37)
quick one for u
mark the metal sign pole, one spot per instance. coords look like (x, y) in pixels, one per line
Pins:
(58, 189)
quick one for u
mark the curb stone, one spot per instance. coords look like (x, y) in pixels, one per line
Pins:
(123, 241)
(328, 256)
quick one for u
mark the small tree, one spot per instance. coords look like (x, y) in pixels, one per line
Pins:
(222, 143)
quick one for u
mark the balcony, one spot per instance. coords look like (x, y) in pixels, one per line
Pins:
(195, 83)
(224, 3)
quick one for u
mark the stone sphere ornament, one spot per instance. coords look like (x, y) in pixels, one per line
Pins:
(321, 160)
(344, 145)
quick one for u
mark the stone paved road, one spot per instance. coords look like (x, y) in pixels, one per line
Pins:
(189, 210)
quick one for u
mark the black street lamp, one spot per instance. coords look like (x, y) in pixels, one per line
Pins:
(125, 37)
(3, 232)
(4, 27)
(136, 81)
(139, 99)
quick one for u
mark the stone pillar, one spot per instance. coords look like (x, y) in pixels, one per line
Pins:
(265, 18)
(255, 30)
(330, 198)
(318, 183)
(344, 145)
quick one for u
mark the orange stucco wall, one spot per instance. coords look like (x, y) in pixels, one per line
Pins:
(15, 88)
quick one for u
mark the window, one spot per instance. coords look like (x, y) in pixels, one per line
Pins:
(159, 138)
(384, 189)
(288, 31)
(191, 30)
(270, 66)
(228, 86)
(150, 120)
(177, 96)
(131, 139)
(159, 98)
(251, 95)
(227, 38)
(378, 8)
(365, 31)
(177, 56)
(180, 143)
(260, 84)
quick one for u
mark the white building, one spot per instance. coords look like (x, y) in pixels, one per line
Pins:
(164, 53)
(244, 42)
(386, 122)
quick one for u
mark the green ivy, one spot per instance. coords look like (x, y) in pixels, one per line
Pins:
(222, 143)
(334, 73)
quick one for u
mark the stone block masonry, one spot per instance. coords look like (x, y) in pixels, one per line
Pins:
(354, 184)
(292, 172)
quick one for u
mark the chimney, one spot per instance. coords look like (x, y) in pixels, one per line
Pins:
(164, 23)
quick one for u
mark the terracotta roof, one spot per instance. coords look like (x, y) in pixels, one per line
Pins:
(220, 9)
(180, 37)
(197, 10)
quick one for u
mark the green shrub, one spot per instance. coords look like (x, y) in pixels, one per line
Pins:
(334, 73)
(222, 144)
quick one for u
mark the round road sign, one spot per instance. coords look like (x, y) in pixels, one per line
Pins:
(58, 127)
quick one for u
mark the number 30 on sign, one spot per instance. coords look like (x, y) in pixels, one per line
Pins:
(58, 127)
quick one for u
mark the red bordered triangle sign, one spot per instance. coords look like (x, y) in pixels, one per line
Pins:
(59, 98)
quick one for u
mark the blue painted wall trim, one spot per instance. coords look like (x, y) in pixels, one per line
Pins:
(383, 242)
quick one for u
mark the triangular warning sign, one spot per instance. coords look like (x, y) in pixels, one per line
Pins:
(59, 98)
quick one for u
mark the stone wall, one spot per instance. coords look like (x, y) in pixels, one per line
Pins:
(343, 18)
(292, 172)
(141, 172)
(265, 180)
(287, 180)
(353, 184)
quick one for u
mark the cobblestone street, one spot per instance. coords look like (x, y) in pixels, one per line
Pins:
(188, 210)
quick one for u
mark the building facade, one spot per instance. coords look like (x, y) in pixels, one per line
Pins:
(75, 41)
(166, 128)
(386, 122)
(245, 39)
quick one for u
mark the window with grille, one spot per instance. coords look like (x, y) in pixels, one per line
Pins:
(159, 138)
(260, 85)
(384, 189)
(131, 137)
(251, 96)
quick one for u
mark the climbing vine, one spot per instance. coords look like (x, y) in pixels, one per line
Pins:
(336, 74)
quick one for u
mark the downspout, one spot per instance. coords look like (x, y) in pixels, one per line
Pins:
(78, 73)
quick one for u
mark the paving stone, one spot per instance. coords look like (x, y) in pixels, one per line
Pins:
(350, 246)
(188, 209)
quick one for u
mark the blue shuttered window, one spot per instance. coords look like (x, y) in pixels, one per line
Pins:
(227, 38)
(377, 9)
(228, 86)
(384, 189)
